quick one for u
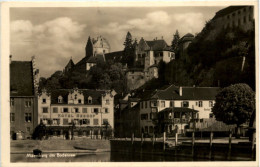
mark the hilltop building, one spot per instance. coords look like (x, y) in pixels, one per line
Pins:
(95, 51)
(24, 83)
(235, 16)
(148, 55)
(89, 110)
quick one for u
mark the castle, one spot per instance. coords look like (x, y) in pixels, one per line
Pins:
(148, 54)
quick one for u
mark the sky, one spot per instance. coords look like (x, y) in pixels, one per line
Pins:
(54, 35)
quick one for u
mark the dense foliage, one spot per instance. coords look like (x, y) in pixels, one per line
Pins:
(234, 104)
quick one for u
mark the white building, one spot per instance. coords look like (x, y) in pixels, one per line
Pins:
(87, 109)
(182, 101)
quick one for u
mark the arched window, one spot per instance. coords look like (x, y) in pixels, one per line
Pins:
(89, 100)
(60, 99)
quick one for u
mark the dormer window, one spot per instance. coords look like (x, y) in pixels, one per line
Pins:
(89, 100)
(79, 101)
(75, 97)
(60, 99)
(43, 101)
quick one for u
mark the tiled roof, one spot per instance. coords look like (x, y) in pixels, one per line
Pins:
(114, 56)
(178, 109)
(94, 94)
(21, 78)
(95, 59)
(227, 11)
(188, 93)
(158, 45)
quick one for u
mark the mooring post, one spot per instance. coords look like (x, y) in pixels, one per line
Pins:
(132, 139)
(153, 140)
(229, 144)
(142, 139)
(193, 142)
(210, 144)
(164, 140)
(176, 139)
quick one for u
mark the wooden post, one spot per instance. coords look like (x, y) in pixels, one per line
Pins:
(132, 139)
(193, 142)
(176, 139)
(210, 144)
(153, 140)
(211, 140)
(229, 144)
(142, 138)
(164, 140)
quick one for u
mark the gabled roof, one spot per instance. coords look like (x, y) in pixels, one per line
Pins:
(94, 94)
(70, 63)
(158, 45)
(188, 93)
(21, 78)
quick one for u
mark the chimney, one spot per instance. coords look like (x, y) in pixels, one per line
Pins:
(180, 92)
(10, 59)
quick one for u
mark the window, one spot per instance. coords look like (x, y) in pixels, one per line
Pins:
(162, 103)
(211, 103)
(105, 122)
(85, 122)
(228, 16)
(153, 103)
(28, 103)
(76, 96)
(12, 102)
(95, 121)
(107, 101)
(28, 117)
(55, 110)
(96, 110)
(150, 129)
(45, 121)
(85, 110)
(142, 104)
(234, 14)
(60, 99)
(28, 129)
(12, 118)
(144, 116)
(238, 22)
(200, 104)
(238, 12)
(65, 110)
(106, 110)
(56, 121)
(76, 110)
(65, 121)
(146, 104)
(185, 104)
(89, 100)
(146, 129)
(76, 121)
(211, 115)
(249, 17)
(45, 110)
(133, 77)
(43, 100)
(79, 101)
(154, 109)
(244, 19)
(171, 103)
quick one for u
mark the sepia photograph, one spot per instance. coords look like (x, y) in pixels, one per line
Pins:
(130, 83)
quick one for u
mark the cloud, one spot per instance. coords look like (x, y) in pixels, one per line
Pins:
(52, 42)
(155, 24)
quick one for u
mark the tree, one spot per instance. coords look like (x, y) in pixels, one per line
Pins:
(129, 50)
(175, 41)
(234, 105)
